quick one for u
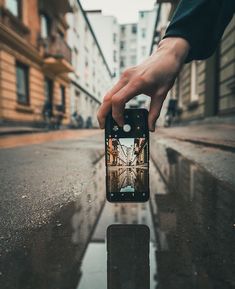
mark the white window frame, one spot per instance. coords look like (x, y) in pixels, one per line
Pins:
(193, 83)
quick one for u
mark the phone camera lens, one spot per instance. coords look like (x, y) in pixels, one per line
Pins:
(127, 128)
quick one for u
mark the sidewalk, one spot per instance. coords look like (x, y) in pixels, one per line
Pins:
(209, 146)
(215, 135)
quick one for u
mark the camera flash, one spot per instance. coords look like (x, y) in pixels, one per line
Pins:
(115, 128)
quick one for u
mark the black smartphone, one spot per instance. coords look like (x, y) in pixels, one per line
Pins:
(128, 257)
(127, 157)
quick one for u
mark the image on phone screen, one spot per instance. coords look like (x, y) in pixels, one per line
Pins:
(127, 164)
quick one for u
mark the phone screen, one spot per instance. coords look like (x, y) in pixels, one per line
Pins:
(127, 158)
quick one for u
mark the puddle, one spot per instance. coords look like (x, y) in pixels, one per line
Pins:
(191, 244)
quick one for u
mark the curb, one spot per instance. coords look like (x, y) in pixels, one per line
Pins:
(19, 132)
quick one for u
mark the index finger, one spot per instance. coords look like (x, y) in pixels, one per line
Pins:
(121, 98)
(107, 102)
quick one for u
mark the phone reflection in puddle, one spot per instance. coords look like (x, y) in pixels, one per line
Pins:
(128, 257)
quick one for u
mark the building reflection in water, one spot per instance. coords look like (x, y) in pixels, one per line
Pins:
(194, 221)
(127, 179)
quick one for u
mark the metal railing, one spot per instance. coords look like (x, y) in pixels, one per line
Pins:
(56, 46)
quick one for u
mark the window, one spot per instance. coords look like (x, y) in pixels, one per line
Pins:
(194, 80)
(114, 37)
(143, 32)
(22, 83)
(86, 63)
(14, 7)
(142, 14)
(122, 45)
(114, 56)
(48, 94)
(122, 62)
(123, 28)
(63, 99)
(45, 26)
(75, 59)
(134, 29)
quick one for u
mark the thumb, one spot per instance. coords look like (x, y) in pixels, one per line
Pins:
(154, 110)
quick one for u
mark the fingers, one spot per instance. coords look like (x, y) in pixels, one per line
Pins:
(120, 98)
(154, 110)
(107, 102)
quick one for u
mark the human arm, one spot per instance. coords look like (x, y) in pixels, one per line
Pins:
(201, 23)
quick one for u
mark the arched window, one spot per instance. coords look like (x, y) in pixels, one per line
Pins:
(45, 26)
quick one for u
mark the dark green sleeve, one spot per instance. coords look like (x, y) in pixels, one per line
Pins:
(201, 23)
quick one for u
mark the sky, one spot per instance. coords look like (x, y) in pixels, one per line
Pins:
(126, 11)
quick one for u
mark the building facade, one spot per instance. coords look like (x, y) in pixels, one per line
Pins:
(204, 89)
(128, 51)
(135, 45)
(109, 41)
(128, 45)
(92, 77)
(146, 23)
(34, 62)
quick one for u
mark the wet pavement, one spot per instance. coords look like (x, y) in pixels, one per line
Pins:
(55, 223)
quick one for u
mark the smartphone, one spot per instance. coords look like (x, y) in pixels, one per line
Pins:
(127, 157)
(128, 257)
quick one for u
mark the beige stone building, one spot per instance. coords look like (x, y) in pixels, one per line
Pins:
(34, 61)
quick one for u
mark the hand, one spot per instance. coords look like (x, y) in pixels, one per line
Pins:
(154, 77)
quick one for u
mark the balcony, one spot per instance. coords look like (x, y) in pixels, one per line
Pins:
(57, 6)
(57, 55)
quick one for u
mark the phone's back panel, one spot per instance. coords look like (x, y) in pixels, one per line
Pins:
(127, 157)
(128, 257)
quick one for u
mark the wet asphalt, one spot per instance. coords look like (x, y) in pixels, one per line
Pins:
(37, 180)
(54, 221)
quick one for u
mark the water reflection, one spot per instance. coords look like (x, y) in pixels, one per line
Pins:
(194, 220)
(50, 256)
(127, 179)
(191, 219)
(94, 265)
